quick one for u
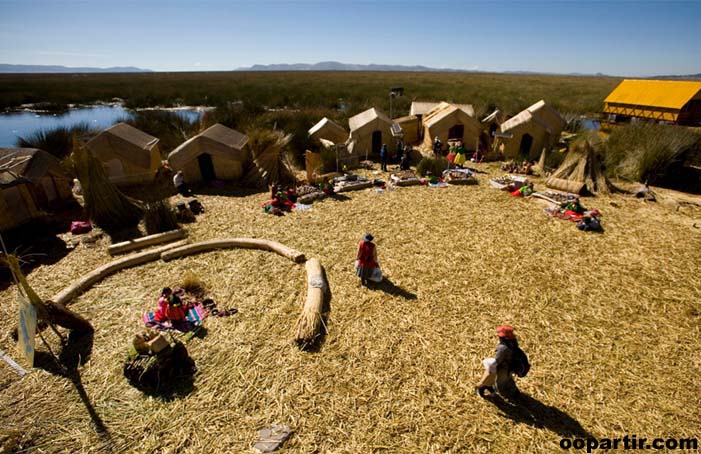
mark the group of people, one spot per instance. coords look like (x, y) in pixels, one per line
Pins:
(457, 153)
(525, 168)
(509, 359)
(281, 200)
(400, 157)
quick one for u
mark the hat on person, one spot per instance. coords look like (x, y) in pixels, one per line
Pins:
(595, 212)
(368, 237)
(506, 331)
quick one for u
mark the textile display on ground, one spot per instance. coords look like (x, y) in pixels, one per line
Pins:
(194, 318)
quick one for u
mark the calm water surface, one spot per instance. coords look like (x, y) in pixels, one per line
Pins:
(23, 124)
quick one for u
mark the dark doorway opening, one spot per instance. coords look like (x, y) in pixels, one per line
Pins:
(376, 141)
(526, 144)
(456, 132)
(206, 167)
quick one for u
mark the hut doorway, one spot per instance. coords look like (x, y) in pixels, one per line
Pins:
(376, 141)
(206, 167)
(456, 132)
(526, 144)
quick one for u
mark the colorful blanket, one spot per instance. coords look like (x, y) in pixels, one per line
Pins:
(195, 315)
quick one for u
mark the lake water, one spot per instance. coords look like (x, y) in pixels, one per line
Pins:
(24, 124)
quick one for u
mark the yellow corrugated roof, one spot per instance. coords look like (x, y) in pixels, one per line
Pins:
(669, 94)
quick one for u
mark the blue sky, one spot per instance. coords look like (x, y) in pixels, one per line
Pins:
(620, 38)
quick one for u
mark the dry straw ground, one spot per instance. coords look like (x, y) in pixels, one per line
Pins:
(611, 323)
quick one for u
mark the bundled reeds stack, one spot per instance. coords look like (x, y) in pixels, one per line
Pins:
(105, 204)
(270, 164)
(310, 325)
(159, 217)
(580, 170)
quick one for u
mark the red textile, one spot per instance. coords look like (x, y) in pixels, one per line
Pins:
(167, 312)
(516, 193)
(366, 254)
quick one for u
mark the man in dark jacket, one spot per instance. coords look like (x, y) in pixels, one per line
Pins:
(384, 156)
(497, 376)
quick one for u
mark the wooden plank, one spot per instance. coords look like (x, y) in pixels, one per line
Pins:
(140, 243)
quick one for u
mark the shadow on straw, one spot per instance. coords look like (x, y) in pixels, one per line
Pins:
(525, 409)
(75, 353)
(390, 288)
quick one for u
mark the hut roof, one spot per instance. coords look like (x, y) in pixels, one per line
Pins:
(126, 141)
(442, 111)
(539, 113)
(215, 139)
(19, 165)
(423, 107)
(366, 117)
(326, 122)
(669, 94)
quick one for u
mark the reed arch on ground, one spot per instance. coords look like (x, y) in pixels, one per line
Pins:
(310, 326)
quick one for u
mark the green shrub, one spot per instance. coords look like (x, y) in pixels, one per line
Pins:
(435, 166)
(647, 152)
(57, 141)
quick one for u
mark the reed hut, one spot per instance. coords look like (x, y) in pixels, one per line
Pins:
(411, 125)
(529, 132)
(369, 130)
(217, 153)
(130, 156)
(329, 130)
(451, 122)
(31, 183)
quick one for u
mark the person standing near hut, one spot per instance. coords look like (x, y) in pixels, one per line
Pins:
(509, 359)
(384, 155)
(367, 267)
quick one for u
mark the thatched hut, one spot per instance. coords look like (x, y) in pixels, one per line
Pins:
(31, 181)
(130, 156)
(217, 153)
(450, 122)
(369, 130)
(529, 132)
(491, 124)
(329, 130)
(411, 126)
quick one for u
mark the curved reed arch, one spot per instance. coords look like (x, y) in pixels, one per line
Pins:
(310, 324)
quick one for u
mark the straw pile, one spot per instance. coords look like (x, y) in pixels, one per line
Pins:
(106, 205)
(580, 170)
(269, 164)
(609, 322)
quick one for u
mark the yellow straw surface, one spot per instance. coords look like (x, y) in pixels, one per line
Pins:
(610, 322)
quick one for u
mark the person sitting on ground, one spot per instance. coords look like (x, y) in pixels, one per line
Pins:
(367, 267)
(170, 307)
(291, 194)
(180, 185)
(526, 168)
(524, 191)
(477, 156)
(573, 206)
(509, 359)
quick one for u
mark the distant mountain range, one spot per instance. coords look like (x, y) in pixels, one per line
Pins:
(336, 66)
(685, 77)
(5, 68)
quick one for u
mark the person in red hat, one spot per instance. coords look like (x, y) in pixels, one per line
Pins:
(509, 359)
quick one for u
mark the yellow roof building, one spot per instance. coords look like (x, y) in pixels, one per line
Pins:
(663, 100)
